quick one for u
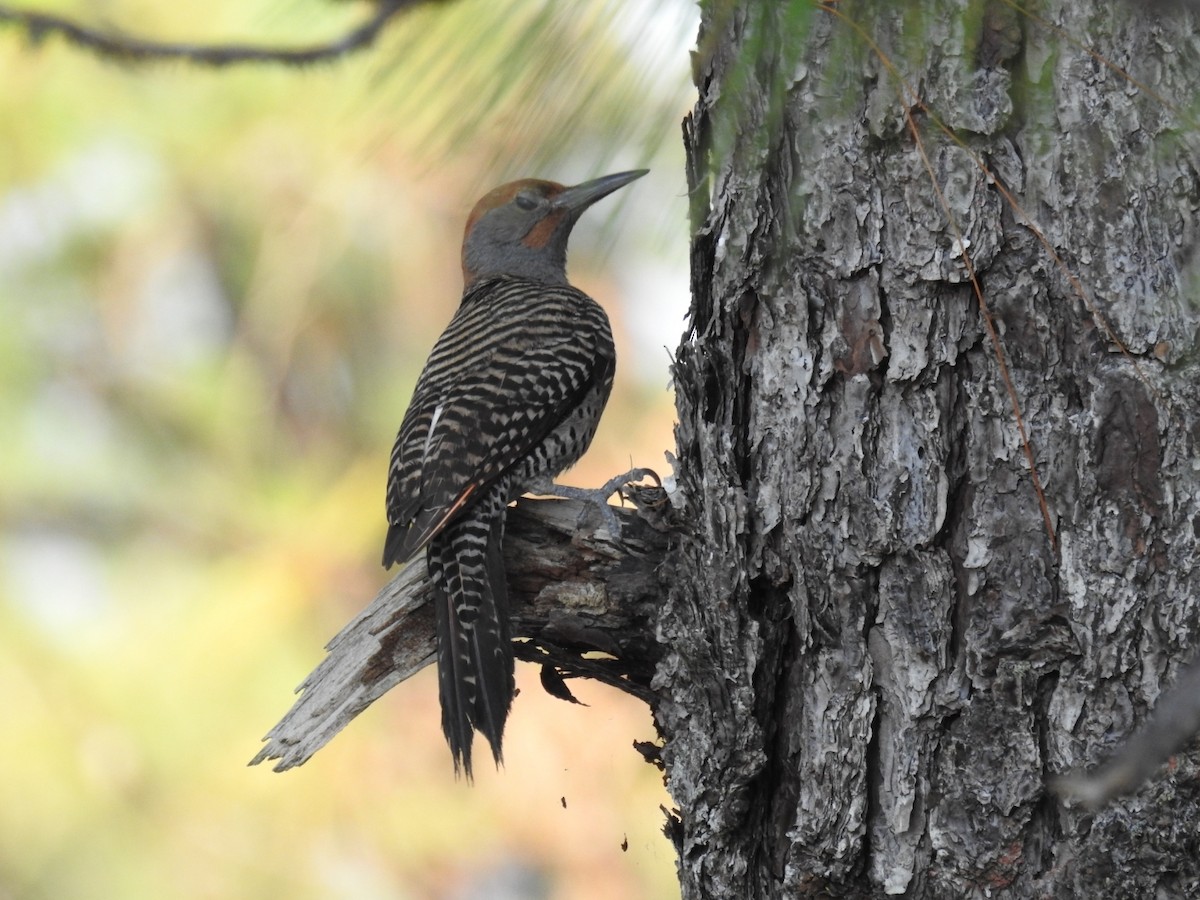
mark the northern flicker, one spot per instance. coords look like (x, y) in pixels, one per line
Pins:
(511, 396)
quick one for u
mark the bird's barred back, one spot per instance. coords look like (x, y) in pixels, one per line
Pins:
(513, 313)
(518, 379)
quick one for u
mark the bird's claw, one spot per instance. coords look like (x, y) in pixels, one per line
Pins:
(624, 480)
(597, 497)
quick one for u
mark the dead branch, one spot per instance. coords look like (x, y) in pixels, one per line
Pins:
(573, 592)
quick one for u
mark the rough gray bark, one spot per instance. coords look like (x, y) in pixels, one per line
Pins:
(875, 652)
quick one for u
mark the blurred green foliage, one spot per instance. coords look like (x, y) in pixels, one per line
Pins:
(216, 288)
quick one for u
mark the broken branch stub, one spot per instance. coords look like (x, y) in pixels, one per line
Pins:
(572, 592)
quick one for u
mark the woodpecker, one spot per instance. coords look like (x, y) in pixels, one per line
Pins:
(510, 397)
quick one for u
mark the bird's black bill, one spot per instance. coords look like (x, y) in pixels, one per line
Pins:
(581, 196)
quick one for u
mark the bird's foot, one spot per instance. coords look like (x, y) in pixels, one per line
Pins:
(597, 498)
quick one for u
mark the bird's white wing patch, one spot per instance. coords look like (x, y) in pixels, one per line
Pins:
(437, 414)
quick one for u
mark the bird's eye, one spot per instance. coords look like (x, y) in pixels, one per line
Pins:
(525, 202)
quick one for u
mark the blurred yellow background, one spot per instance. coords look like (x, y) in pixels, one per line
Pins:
(216, 289)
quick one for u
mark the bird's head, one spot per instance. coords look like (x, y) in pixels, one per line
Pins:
(521, 228)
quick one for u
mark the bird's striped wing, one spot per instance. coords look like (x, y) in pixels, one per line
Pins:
(508, 370)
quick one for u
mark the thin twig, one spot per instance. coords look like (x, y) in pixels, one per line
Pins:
(1170, 727)
(113, 44)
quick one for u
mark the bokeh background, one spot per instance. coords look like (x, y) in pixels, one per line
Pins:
(216, 290)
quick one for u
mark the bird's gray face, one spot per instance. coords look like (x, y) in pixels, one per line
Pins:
(521, 228)
(518, 229)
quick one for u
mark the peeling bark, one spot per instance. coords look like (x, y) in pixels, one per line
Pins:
(874, 652)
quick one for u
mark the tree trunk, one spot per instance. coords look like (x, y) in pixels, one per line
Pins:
(878, 645)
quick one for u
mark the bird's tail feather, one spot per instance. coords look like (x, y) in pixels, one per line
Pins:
(475, 658)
